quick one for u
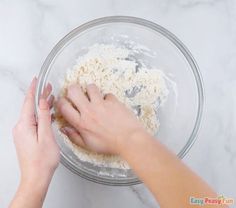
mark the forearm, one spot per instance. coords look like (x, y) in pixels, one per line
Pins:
(31, 193)
(171, 182)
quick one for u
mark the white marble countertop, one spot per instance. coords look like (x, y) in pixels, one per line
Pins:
(29, 30)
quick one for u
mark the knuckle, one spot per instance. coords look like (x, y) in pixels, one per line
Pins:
(72, 88)
(91, 113)
(86, 109)
(86, 120)
(91, 116)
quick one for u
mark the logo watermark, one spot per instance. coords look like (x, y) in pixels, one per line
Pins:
(220, 200)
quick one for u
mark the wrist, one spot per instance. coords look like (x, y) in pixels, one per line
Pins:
(38, 181)
(31, 191)
(140, 136)
(33, 187)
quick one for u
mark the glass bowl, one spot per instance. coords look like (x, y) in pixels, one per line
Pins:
(180, 116)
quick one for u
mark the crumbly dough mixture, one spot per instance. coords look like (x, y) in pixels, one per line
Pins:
(115, 69)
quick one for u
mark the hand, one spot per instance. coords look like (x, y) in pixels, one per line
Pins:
(37, 150)
(101, 124)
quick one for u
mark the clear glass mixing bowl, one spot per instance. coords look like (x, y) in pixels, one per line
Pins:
(181, 115)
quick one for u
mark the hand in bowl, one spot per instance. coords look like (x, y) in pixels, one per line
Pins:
(98, 123)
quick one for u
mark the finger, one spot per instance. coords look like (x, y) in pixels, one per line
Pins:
(110, 96)
(53, 118)
(73, 135)
(94, 93)
(47, 91)
(27, 111)
(77, 97)
(44, 121)
(69, 113)
(51, 101)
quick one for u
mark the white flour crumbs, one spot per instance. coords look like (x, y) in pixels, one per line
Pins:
(115, 70)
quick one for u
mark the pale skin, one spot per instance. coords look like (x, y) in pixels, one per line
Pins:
(37, 151)
(101, 124)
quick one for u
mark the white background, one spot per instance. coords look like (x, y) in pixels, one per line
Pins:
(30, 28)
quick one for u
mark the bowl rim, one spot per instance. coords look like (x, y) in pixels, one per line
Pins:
(45, 69)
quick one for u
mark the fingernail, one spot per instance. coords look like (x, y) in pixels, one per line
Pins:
(63, 130)
(66, 130)
(33, 82)
(43, 104)
(49, 86)
(53, 117)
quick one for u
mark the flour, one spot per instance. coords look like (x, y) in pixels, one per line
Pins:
(115, 70)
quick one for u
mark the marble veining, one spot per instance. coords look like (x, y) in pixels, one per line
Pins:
(29, 30)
